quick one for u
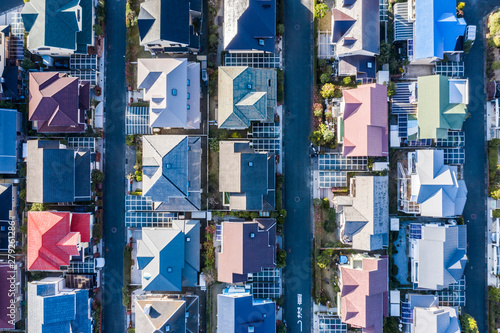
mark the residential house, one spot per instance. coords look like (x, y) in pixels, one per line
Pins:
(8, 141)
(423, 314)
(53, 307)
(438, 255)
(245, 95)
(171, 166)
(442, 105)
(363, 127)
(356, 36)
(58, 103)
(59, 27)
(172, 87)
(246, 247)
(54, 238)
(170, 257)
(249, 25)
(10, 294)
(56, 173)
(167, 313)
(363, 299)
(8, 213)
(170, 26)
(364, 215)
(246, 177)
(239, 312)
(430, 187)
(437, 30)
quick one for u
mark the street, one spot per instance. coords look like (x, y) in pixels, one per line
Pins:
(113, 316)
(475, 168)
(297, 165)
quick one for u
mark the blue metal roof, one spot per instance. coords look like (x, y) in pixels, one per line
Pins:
(437, 28)
(238, 313)
(8, 125)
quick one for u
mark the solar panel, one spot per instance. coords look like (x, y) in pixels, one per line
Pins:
(138, 203)
(454, 139)
(267, 145)
(265, 130)
(82, 143)
(420, 143)
(331, 324)
(403, 126)
(339, 162)
(149, 219)
(454, 155)
(415, 231)
(329, 179)
(218, 233)
(255, 60)
(137, 120)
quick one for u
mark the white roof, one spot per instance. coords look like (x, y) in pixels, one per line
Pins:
(459, 91)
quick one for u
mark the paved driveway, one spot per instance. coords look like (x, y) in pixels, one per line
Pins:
(114, 168)
(298, 194)
(475, 168)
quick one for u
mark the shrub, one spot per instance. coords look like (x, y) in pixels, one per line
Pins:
(130, 140)
(38, 207)
(236, 135)
(321, 63)
(468, 324)
(337, 93)
(320, 10)
(391, 89)
(468, 45)
(280, 29)
(496, 41)
(324, 78)
(347, 80)
(394, 270)
(281, 85)
(496, 213)
(495, 65)
(461, 6)
(328, 90)
(138, 175)
(330, 224)
(280, 258)
(325, 204)
(318, 109)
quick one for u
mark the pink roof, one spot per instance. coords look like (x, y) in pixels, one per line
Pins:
(51, 243)
(364, 295)
(366, 128)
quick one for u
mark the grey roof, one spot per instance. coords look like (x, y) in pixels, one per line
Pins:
(56, 309)
(363, 37)
(172, 171)
(436, 186)
(55, 174)
(169, 257)
(157, 313)
(441, 255)
(245, 95)
(238, 313)
(57, 26)
(172, 87)
(8, 135)
(246, 22)
(366, 213)
(248, 176)
(436, 319)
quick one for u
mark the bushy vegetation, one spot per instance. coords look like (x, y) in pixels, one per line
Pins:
(280, 258)
(127, 266)
(209, 255)
(320, 10)
(468, 324)
(493, 171)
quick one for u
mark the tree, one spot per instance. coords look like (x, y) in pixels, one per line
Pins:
(324, 78)
(324, 259)
(328, 136)
(280, 258)
(97, 176)
(22, 194)
(391, 89)
(320, 10)
(213, 40)
(337, 93)
(328, 90)
(280, 29)
(494, 294)
(38, 207)
(321, 63)
(468, 324)
(347, 80)
(318, 110)
(98, 29)
(130, 140)
(461, 6)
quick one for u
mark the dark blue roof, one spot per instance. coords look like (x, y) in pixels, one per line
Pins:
(58, 173)
(237, 314)
(4, 235)
(8, 134)
(82, 176)
(5, 200)
(8, 5)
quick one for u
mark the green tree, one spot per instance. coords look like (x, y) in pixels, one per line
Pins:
(391, 89)
(328, 136)
(97, 176)
(38, 207)
(213, 40)
(280, 258)
(280, 29)
(328, 90)
(320, 10)
(461, 6)
(347, 80)
(468, 324)
(321, 63)
(494, 294)
(98, 29)
(324, 78)
(22, 194)
(337, 93)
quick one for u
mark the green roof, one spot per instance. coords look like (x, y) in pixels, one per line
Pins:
(436, 115)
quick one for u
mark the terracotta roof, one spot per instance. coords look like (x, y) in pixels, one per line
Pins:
(58, 102)
(364, 294)
(247, 247)
(50, 241)
(365, 121)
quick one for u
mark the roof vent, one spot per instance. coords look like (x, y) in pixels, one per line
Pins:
(187, 314)
(167, 328)
(174, 92)
(251, 329)
(169, 165)
(188, 239)
(169, 269)
(249, 86)
(250, 164)
(252, 235)
(261, 42)
(264, 315)
(369, 65)
(146, 275)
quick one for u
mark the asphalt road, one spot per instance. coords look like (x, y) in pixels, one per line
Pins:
(298, 62)
(475, 168)
(113, 317)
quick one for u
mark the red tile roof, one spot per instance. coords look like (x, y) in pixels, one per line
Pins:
(366, 128)
(80, 222)
(364, 295)
(50, 240)
(58, 102)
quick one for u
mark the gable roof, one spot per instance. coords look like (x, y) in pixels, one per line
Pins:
(58, 102)
(8, 137)
(365, 118)
(436, 111)
(53, 239)
(246, 94)
(171, 85)
(239, 313)
(356, 28)
(364, 294)
(366, 215)
(247, 247)
(441, 255)
(56, 25)
(172, 171)
(436, 186)
(248, 176)
(167, 259)
(437, 28)
(56, 309)
(248, 21)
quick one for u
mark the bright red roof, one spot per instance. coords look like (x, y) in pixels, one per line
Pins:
(80, 222)
(50, 240)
